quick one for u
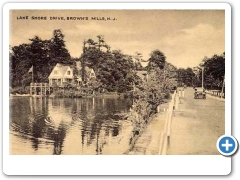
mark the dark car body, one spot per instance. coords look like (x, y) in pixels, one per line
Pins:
(199, 93)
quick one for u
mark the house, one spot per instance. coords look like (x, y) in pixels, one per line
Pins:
(143, 75)
(89, 73)
(60, 75)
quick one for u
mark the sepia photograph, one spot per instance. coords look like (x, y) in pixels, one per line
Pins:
(116, 82)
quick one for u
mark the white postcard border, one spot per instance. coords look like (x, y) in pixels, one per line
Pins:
(111, 164)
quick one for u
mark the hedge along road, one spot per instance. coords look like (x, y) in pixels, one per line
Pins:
(197, 125)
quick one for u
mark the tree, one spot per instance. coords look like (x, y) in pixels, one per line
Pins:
(137, 61)
(113, 68)
(151, 93)
(39, 50)
(43, 55)
(214, 71)
(58, 51)
(58, 46)
(157, 58)
(185, 76)
(20, 63)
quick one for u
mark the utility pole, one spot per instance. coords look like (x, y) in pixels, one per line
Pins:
(223, 86)
(202, 75)
(83, 61)
(32, 75)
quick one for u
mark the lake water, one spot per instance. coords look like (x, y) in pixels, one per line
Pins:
(45, 126)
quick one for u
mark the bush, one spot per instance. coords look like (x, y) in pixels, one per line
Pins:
(167, 95)
(20, 90)
(68, 93)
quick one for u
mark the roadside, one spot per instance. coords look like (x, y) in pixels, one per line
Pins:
(196, 126)
(148, 142)
(215, 97)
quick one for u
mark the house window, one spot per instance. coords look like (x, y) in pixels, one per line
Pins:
(68, 72)
(55, 72)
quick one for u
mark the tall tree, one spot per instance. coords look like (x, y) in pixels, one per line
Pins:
(157, 59)
(214, 71)
(43, 55)
(39, 50)
(21, 61)
(59, 52)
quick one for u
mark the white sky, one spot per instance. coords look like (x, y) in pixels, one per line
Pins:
(185, 37)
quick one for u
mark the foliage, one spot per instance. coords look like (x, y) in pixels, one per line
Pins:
(151, 93)
(214, 71)
(186, 77)
(157, 59)
(20, 90)
(94, 84)
(68, 93)
(43, 55)
(113, 69)
(137, 61)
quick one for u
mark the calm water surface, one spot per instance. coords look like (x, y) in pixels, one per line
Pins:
(69, 126)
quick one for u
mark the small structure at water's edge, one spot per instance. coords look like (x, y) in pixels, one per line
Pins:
(40, 89)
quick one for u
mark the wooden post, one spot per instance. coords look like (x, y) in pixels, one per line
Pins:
(202, 76)
(164, 149)
(41, 89)
(45, 87)
(35, 88)
(32, 74)
(169, 127)
(166, 123)
(169, 107)
(30, 88)
(161, 143)
(177, 102)
(223, 86)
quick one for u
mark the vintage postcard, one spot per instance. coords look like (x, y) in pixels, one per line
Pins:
(119, 81)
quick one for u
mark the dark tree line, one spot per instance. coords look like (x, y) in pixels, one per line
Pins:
(213, 73)
(115, 70)
(41, 54)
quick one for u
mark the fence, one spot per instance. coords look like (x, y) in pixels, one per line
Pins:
(216, 93)
(166, 133)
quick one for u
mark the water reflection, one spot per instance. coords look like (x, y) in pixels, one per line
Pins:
(69, 126)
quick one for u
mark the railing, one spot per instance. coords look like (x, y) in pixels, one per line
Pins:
(39, 84)
(216, 93)
(166, 133)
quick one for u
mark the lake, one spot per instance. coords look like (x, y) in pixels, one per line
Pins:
(54, 126)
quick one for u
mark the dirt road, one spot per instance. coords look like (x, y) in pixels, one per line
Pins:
(196, 125)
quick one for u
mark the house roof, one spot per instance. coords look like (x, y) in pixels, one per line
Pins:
(62, 69)
(87, 69)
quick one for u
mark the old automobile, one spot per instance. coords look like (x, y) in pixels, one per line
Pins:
(199, 93)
